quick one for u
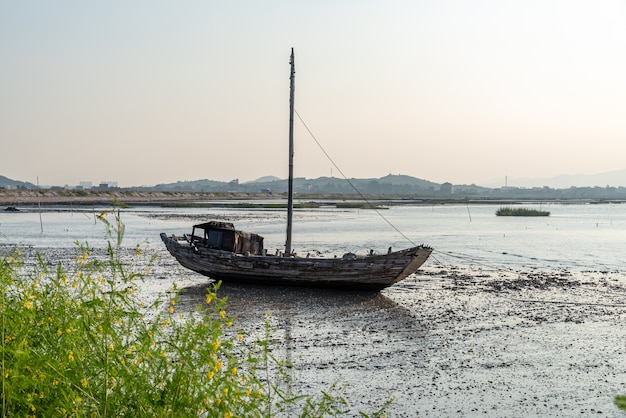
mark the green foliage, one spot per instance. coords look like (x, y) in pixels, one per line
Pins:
(620, 402)
(358, 205)
(78, 341)
(506, 211)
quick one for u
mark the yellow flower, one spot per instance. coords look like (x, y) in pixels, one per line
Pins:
(228, 415)
(70, 356)
(171, 309)
(111, 347)
(234, 371)
(240, 337)
(222, 314)
(210, 375)
(84, 383)
(209, 298)
(216, 345)
(28, 305)
(225, 391)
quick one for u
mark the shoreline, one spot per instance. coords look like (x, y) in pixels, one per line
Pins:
(31, 197)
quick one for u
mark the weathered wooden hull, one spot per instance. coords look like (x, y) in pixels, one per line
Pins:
(372, 272)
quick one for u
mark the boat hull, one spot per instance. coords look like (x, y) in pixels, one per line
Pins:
(373, 272)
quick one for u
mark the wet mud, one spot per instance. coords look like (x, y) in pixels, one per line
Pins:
(454, 342)
(448, 341)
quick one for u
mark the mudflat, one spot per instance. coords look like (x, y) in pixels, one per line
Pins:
(15, 197)
(447, 341)
(452, 343)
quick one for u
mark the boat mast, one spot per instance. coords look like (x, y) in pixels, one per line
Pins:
(290, 196)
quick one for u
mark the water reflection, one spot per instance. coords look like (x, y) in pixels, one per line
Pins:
(253, 300)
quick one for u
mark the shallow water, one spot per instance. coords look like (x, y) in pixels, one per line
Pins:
(509, 317)
(574, 237)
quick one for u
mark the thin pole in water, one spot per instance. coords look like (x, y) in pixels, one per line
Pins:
(39, 205)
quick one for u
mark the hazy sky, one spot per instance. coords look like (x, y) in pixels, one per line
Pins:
(148, 92)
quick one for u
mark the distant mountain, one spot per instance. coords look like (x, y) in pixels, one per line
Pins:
(401, 179)
(6, 182)
(204, 185)
(390, 184)
(265, 179)
(609, 178)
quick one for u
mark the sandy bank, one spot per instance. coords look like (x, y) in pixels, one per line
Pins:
(128, 197)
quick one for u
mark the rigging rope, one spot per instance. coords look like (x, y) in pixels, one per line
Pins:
(350, 183)
(444, 253)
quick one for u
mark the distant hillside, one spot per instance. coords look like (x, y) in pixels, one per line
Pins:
(607, 186)
(204, 185)
(6, 182)
(265, 179)
(609, 178)
(390, 184)
(401, 179)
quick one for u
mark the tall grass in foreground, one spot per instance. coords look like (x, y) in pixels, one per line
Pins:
(77, 341)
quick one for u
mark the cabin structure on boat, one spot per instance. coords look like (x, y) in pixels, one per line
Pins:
(223, 236)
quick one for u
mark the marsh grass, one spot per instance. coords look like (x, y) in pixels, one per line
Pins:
(78, 341)
(508, 211)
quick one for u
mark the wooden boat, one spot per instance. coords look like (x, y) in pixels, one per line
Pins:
(218, 250)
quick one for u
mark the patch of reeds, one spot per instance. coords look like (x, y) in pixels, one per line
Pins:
(241, 205)
(358, 205)
(78, 341)
(508, 211)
